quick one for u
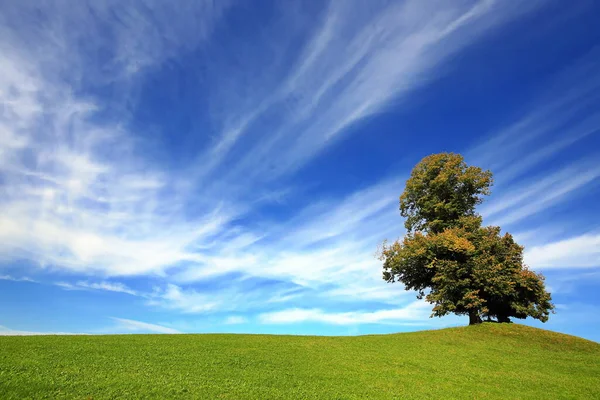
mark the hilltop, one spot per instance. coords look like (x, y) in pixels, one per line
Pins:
(487, 361)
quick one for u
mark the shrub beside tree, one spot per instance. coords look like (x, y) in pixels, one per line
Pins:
(450, 259)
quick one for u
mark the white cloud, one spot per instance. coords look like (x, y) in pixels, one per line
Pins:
(101, 285)
(108, 286)
(534, 195)
(563, 115)
(16, 279)
(416, 311)
(4, 331)
(371, 290)
(138, 326)
(567, 281)
(235, 320)
(580, 251)
(363, 56)
(78, 195)
(65, 35)
(187, 301)
(235, 296)
(554, 120)
(332, 242)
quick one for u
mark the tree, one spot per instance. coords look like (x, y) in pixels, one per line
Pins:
(450, 259)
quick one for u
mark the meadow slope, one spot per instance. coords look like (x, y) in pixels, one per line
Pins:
(490, 361)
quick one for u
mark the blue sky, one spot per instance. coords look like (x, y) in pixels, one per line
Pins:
(233, 166)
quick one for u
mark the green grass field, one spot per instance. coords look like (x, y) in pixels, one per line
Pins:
(497, 361)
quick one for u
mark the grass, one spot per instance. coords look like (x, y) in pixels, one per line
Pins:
(489, 361)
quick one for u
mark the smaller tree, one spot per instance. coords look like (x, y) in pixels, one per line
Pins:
(508, 286)
(450, 259)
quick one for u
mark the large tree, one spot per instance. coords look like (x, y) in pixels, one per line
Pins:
(450, 259)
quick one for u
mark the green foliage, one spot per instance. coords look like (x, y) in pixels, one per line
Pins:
(487, 361)
(441, 190)
(450, 259)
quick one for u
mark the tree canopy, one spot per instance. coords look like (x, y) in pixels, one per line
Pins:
(450, 259)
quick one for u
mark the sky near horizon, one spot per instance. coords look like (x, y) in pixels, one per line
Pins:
(232, 166)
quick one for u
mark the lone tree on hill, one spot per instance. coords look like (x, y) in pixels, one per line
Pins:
(450, 259)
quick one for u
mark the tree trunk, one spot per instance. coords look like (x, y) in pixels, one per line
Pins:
(503, 318)
(474, 317)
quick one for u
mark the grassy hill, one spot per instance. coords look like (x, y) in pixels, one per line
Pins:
(488, 361)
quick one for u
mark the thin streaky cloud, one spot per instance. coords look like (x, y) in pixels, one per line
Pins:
(556, 113)
(533, 194)
(554, 189)
(17, 279)
(574, 252)
(99, 215)
(134, 326)
(410, 313)
(4, 331)
(235, 320)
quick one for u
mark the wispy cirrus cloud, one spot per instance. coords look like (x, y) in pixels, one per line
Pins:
(102, 286)
(235, 296)
(538, 193)
(16, 279)
(134, 326)
(562, 115)
(235, 320)
(4, 331)
(573, 252)
(363, 56)
(416, 311)
(95, 42)
(79, 196)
